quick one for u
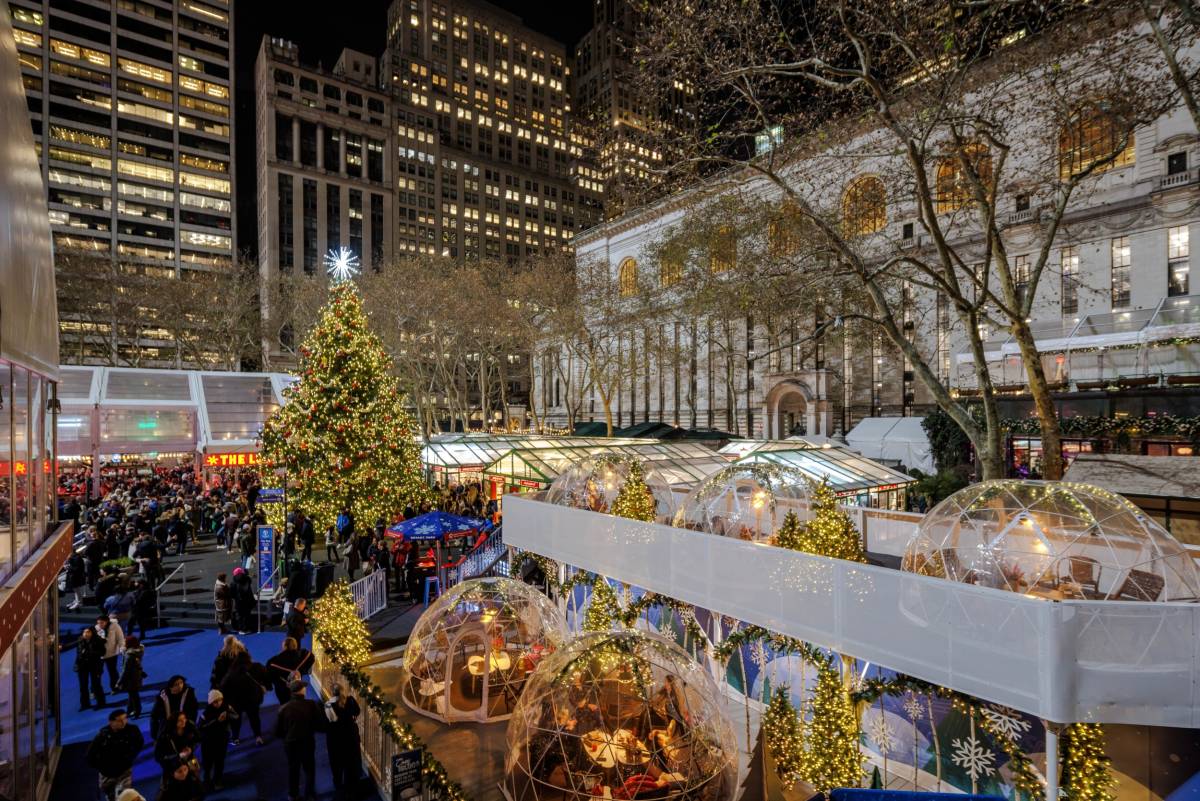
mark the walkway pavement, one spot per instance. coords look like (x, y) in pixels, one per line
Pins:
(252, 773)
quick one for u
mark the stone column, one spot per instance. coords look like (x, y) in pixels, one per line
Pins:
(296, 140)
(320, 145)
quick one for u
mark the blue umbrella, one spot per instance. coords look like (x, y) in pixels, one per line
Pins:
(435, 526)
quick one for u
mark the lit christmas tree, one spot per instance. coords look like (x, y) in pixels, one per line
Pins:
(338, 627)
(830, 532)
(603, 608)
(784, 736)
(344, 437)
(1086, 772)
(635, 501)
(833, 758)
(790, 533)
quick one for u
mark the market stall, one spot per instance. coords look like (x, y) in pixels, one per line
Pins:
(857, 480)
(444, 540)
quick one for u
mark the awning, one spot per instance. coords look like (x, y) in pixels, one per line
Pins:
(899, 439)
(1147, 476)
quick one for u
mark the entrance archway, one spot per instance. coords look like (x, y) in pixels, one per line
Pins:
(790, 411)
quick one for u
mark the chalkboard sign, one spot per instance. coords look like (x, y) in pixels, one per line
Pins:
(406, 776)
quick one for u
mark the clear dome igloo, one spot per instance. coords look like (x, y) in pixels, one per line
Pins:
(628, 712)
(472, 650)
(1052, 539)
(747, 500)
(595, 481)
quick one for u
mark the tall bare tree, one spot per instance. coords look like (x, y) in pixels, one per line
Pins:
(951, 115)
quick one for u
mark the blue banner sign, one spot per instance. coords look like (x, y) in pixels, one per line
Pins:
(270, 495)
(266, 558)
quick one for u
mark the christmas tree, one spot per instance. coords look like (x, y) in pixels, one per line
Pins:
(832, 759)
(790, 533)
(784, 736)
(635, 501)
(603, 609)
(338, 627)
(1086, 771)
(344, 437)
(830, 532)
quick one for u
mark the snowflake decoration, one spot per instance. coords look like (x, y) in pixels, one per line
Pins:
(912, 707)
(341, 264)
(1006, 720)
(882, 734)
(758, 654)
(687, 616)
(971, 756)
(425, 530)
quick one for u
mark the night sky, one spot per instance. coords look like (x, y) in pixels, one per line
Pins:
(321, 32)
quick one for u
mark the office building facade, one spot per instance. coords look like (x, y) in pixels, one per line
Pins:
(132, 113)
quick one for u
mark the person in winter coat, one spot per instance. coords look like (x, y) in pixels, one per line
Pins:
(145, 607)
(177, 697)
(76, 579)
(244, 690)
(114, 643)
(297, 620)
(297, 725)
(226, 657)
(180, 783)
(214, 739)
(112, 753)
(89, 664)
(221, 603)
(243, 601)
(177, 741)
(287, 666)
(342, 741)
(132, 675)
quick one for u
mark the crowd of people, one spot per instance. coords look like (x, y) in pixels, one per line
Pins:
(190, 740)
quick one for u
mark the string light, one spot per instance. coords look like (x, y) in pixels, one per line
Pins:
(784, 736)
(830, 533)
(335, 618)
(1087, 771)
(832, 758)
(635, 501)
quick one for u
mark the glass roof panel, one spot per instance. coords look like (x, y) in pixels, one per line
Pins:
(1178, 311)
(147, 386)
(75, 383)
(1114, 322)
(845, 470)
(237, 405)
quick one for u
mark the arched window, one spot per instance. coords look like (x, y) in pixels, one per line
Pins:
(782, 233)
(864, 206)
(722, 252)
(953, 189)
(670, 271)
(1093, 134)
(627, 278)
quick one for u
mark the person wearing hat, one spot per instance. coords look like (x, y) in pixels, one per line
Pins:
(130, 794)
(242, 594)
(297, 725)
(214, 739)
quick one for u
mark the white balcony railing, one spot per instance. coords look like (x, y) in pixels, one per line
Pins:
(1063, 661)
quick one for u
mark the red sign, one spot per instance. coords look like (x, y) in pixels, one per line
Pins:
(37, 574)
(230, 459)
(22, 468)
(527, 483)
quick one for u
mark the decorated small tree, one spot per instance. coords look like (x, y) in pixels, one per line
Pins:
(603, 608)
(790, 533)
(337, 626)
(635, 501)
(784, 736)
(344, 438)
(832, 758)
(831, 532)
(1087, 771)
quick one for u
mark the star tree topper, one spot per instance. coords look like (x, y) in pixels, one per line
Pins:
(341, 264)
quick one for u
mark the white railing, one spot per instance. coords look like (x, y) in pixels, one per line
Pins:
(182, 569)
(370, 594)
(1062, 661)
(479, 560)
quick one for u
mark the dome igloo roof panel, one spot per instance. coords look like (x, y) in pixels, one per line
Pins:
(473, 649)
(595, 482)
(1053, 539)
(747, 500)
(620, 714)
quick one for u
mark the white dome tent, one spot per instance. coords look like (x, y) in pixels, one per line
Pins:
(471, 651)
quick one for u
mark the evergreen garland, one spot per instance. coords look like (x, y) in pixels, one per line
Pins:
(1087, 770)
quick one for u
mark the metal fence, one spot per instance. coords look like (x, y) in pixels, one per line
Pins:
(480, 560)
(370, 594)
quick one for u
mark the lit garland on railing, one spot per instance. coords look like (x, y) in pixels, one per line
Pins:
(1024, 776)
(1157, 425)
(342, 635)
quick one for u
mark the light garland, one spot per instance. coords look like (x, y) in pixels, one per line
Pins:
(1087, 770)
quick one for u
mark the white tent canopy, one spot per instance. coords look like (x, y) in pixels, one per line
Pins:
(900, 439)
